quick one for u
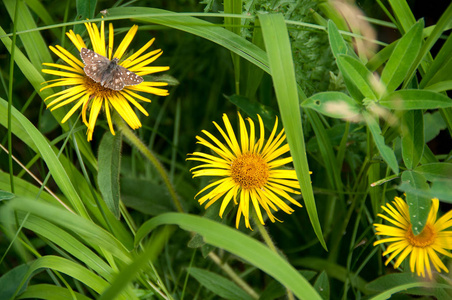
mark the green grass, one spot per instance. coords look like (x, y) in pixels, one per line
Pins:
(117, 217)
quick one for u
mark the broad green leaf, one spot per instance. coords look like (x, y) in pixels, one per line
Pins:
(337, 43)
(441, 190)
(204, 29)
(109, 162)
(412, 137)
(435, 171)
(441, 86)
(50, 292)
(322, 286)
(334, 105)
(238, 244)
(4, 195)
(402, 57)
(11, 280)
(85, 10)
(386, 153)
(415, 99)
(357, 77)
(74, 270)
(221, 286)
(282, 71)
(59, 174)
(88, 230)
(419, 206)
(433, 124)
(403, 14)
(66, 241)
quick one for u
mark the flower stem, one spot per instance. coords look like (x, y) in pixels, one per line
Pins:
(268, 240)
(135, 141)
(228, 270)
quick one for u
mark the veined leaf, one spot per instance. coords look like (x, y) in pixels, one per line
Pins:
(415, 99)
(435, 171)
(412, 137)
(404, 54)
(418, 205)
(334, 105)
(109, 166)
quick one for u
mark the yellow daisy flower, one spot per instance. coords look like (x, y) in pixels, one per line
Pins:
(249, 171)
(91, 95)
(422, 248)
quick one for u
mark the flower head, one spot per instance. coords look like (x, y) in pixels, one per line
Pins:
(422, 248)
(92, 96)
(249, 170)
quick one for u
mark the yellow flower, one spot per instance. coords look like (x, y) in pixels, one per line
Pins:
(91, 95)
(422, 248)
(249, 171)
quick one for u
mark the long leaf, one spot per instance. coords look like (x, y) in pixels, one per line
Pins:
(198, 27)
(415, 99)
(282, 70)
(412, 137)
(386, 153)
(238, 244)
(402, 57)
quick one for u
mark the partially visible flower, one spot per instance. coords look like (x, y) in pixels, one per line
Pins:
(91, 95)
(421, 248)
(249, 171)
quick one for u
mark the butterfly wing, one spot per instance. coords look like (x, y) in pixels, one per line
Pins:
(130, 78)
(95, 64)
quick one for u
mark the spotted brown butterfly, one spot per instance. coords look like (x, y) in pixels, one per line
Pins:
(107, 72)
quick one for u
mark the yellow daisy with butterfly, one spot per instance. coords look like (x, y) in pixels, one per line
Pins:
(101, 81)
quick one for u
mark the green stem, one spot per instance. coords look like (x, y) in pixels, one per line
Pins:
(268, 240)
(239, 281)
(134, 140)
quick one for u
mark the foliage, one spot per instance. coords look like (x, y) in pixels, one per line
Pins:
(116, 217)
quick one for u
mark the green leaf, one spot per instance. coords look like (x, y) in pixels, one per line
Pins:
(4, 195)
(415, 99)
(337, 43)
(50, 292)
(11, 280)
(435, 171)
(33, 42)
(439, 70)
(282, 71)
(86, 229)
(419, 206)
(402, 57)
(322, 285)
(433, 124)
(109, 162)
(394, 282)
(85, 10)
(357, 77)
(204, 29)
(238, 244)
(386, 153)
(412, 138)
(334, 105)
(221, 286)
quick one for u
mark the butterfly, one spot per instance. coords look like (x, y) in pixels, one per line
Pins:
(107, 72)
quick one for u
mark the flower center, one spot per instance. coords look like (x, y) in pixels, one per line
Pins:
(95, 88)
(250, 171)
(423, 239)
